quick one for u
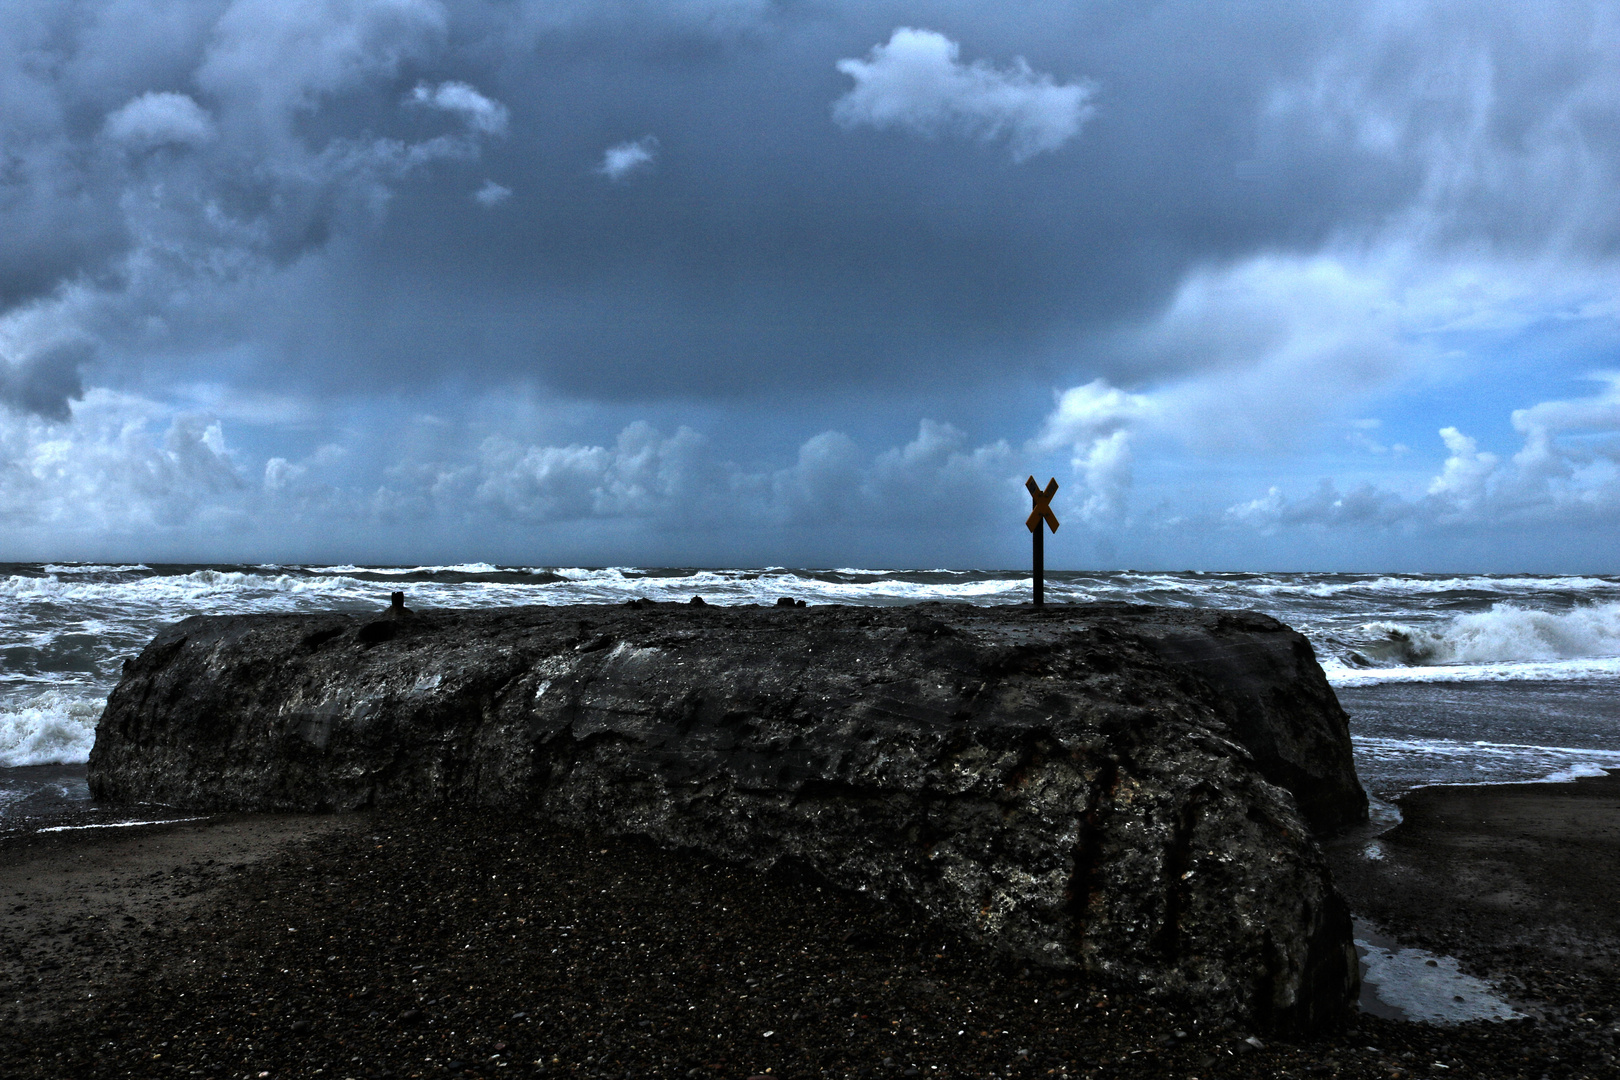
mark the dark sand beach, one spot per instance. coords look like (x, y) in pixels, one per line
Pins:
(377, 945)
(1520, 881)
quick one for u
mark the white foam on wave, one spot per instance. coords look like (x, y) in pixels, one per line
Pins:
(1398, 585)
(119, 824)
(1514, 640)
(194, 585)
(892, 589)
(457, 568)
(54, 728)
(1341, 676)
(1508, 641)
(1510, 632)
(1579, 770)
(1205, 588)
(580, 573)
(221, 590)
(1454, 761)
(1172, 589)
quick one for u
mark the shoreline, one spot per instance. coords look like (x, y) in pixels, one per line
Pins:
(398, 945)
(1520, 882)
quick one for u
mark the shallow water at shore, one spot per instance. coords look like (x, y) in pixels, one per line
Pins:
(1411, 735)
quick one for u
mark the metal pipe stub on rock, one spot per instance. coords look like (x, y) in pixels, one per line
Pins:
(1041, 513)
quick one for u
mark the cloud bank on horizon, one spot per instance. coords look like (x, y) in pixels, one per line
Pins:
(734, 281)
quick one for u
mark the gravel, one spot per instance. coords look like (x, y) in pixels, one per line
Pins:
(421, 946)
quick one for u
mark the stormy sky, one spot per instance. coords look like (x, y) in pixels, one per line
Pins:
(1277, 285)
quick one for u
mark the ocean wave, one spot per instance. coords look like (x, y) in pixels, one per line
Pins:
(893, 589)
(1291, 590)
(581, 573)
(1454, 761)
(1341, 676)
(1400, 585)
(480, 585)
(54, 651)
(1367, 628)
(195, 583)
(403, 571)
(1507, 641)
(54, 728)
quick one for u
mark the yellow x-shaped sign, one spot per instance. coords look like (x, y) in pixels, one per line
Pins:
(1043, 504)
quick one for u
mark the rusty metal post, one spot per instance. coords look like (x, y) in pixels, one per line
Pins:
(1039, 518)
(1040, 566)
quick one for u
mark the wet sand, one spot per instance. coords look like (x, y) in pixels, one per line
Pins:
(1519, 881)
(84, 911)
(390, 945)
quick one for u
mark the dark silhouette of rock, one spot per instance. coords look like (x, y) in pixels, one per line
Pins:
(1125, 790)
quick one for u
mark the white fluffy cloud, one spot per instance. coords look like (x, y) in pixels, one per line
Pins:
(623, 160)
(918, 81)
(1326, 506)
(1272, 348)
(491, 194)
(1544, 423)
(281, 58)
(1566, 474)
(121, 469)
(1463, 478)
(480, 113)
(127, 474)
(160, 118)
(644, 474)
(934, 480)
(1097, 421)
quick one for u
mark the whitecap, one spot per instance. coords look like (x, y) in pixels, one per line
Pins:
(1341, 676)
(1402, 763)
(580, 573)
(401, 571)
(1507, 641)
(53, 728)
(1398, 585)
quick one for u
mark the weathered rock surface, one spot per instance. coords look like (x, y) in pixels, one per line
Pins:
(1125, 790)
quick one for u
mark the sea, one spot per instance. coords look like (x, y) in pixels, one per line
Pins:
(1448, 679)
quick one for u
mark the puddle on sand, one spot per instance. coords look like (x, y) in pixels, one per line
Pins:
(1414, 984)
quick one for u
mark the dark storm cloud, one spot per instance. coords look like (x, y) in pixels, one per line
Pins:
(46, 380)
(719, 199)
